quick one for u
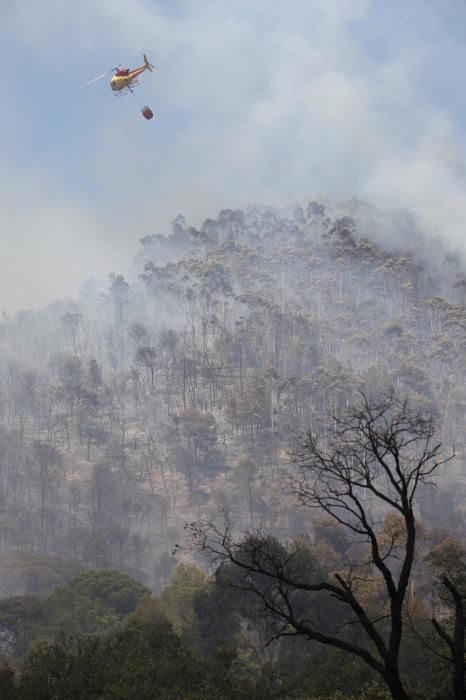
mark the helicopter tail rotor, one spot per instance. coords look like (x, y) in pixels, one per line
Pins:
(148, 65)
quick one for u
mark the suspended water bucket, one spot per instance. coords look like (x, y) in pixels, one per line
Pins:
(147, 113)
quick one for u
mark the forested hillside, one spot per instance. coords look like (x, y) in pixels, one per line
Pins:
(151, 401)
(136, 416)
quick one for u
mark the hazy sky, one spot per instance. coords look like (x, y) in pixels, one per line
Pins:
(256, 101)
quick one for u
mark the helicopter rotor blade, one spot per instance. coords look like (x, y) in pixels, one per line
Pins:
(99, 77)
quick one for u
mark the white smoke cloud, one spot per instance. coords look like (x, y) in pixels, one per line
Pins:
(255, 102)
(47, 244)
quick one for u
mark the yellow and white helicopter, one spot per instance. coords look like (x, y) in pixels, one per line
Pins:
(125, 80)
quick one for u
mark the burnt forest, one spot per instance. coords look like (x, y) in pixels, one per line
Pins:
(238, 470)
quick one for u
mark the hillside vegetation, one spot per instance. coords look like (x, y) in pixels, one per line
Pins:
(149, 429)
(149, 402)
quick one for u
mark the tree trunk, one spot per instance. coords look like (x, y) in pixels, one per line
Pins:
(458, 641)
(458, 684)
(393, 680)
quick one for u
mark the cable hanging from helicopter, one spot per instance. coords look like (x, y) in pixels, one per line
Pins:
(125, 80)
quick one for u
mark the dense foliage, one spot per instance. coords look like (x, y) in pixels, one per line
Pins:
(198, 640)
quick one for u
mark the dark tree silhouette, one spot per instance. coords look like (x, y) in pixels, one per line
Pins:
(455, 638)
(369, 462)
(448, 563)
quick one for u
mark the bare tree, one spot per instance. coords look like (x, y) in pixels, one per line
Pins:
(47, 458)
(454, 639)
(370, 464)
(448, 568)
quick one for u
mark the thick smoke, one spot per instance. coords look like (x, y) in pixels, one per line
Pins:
(252, 104)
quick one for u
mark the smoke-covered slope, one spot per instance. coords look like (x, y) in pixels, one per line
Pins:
(149, 402)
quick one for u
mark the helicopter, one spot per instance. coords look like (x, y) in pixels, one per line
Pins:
(125, 80)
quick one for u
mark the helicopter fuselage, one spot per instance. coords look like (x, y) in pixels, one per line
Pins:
(119, 82)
